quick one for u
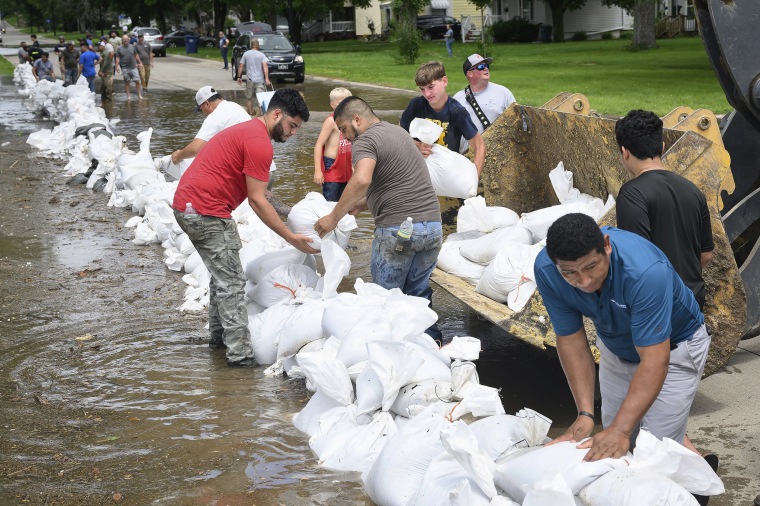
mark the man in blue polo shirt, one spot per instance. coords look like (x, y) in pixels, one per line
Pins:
(650, 332)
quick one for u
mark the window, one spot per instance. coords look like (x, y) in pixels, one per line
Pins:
(527, 9)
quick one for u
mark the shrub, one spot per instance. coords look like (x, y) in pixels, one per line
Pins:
(579, 36)
(607, 36)
(515, 30)
(626, 35)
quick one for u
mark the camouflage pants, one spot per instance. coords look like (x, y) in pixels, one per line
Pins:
(218, 243)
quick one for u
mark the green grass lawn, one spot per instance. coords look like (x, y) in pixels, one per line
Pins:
(613, 77)
(6, 67)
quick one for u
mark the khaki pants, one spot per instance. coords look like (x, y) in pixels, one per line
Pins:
(106, 88)
(144, 75)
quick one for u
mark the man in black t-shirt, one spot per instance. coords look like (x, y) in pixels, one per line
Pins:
(436, 106)
(660, 205)
(665, 208)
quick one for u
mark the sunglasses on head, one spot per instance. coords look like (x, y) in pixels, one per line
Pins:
(482, 66)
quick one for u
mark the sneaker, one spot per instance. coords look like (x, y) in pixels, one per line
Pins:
(713, 461)
(246, 362)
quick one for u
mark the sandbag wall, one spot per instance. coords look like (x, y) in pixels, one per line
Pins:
(389, 402)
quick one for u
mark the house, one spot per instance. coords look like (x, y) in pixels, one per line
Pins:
(593, 18)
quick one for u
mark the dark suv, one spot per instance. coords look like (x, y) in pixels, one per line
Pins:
(285, 61)
(434, 27)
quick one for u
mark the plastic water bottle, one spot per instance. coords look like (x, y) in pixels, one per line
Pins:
(405, 230)
(189, 209)
(404, 234)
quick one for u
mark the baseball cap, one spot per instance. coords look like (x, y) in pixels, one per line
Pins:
(103, 44)
(204, 94)
(473, 60)
(70, 43)
(103, 37)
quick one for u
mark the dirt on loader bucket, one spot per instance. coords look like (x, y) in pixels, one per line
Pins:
(526, 143)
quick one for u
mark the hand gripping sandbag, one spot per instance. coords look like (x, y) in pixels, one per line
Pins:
(517, 476)
(452, 174)
(305, 214)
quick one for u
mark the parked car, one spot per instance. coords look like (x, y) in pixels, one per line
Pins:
(252, 27)
(434, 27)
(285, 60)
(154, 38)
(177, 39)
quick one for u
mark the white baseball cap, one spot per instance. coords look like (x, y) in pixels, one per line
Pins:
(473, 60)
(204, 94)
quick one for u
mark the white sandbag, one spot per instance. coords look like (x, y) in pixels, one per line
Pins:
(431, 369)
(483, 250)
(519, 475)
(463, 348)
(501, 434)
(395, 364)
(369, 391)
(337, 266)
(452, 174)
(634, 487)
(346, 445)
(327, 374)
(562, 182)
(425, 130)
(461, 443)
(447, 483)
(510, 269)
(192, 262)
(554, 491)
(398, 471)
(480, 400)
(450, 260)
(254, 308)
(266, 263)
(264, 342)
(144, 234)
(305, 214)
(301, 328)
(502, 217)
(675, 461)
(371, 326)
(464, 236)
(474, 215)
(284, 283)
(307, 420)
(408, 316)
(415, 395)
(539, 221)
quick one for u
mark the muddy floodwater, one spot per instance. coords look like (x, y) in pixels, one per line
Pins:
(108, 394)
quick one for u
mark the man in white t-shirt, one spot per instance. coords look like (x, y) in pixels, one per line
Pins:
(490, 98)
(220, 114)
(257, 73)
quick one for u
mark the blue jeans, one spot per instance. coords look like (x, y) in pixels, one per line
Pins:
(407, 264)
(333, 191)
(70, 76)
(218, 243)
(91, 82)
(224, 56)
(449, 45)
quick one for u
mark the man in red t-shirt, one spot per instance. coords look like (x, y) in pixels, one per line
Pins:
(233, 166)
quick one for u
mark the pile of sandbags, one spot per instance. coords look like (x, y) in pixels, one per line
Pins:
(494, 249)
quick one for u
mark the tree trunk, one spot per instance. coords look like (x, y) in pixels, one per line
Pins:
(220, 16)
(294, 27)
(644, 26)
(558, 20)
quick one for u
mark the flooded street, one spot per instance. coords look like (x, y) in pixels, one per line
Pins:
(110, 395)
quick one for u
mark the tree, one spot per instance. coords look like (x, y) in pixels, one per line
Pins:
(409, 40)
(644, 13)
(559, 7)
(481, 5)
